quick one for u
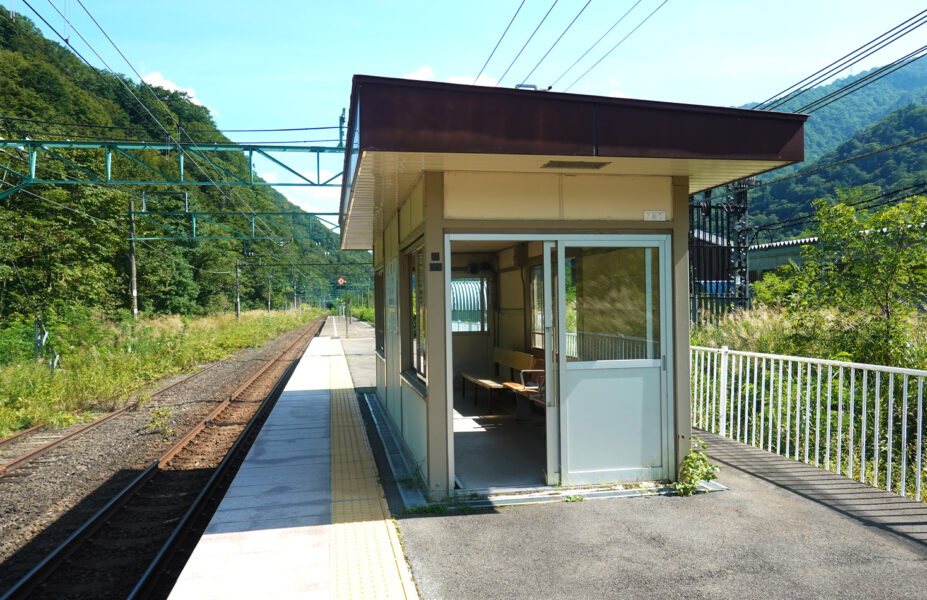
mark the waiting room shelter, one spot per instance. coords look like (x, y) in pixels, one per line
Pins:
(531, 272)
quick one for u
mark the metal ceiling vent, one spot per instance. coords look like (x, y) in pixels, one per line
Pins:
(587, 165)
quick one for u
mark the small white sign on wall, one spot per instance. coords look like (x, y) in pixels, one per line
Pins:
(654, 215)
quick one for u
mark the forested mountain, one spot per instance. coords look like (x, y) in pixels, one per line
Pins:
(898, 168)
(67, 244)
(888, 111)
(837, 122)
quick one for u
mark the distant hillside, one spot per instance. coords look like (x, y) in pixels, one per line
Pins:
(893, 169)
(55, 255)
(838, 122)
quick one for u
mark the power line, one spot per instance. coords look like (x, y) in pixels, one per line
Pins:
(156, 97)
(124, 127)
(865, 204)
(557, 41)
(647, 18)
(115, 226)
(530, 37)
(590, 48)
(842, 63)
(864, 81)
(810, 171)
(496, 47)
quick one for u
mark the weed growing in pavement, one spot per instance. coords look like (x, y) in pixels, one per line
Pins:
(695, 467)
(436, 508)
(573, 498)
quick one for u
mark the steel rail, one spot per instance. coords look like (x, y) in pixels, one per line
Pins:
(39, 451)
(150, 578)
(41, 572)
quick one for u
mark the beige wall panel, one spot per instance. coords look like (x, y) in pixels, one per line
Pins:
(377, 249)
(414, 425)
(416, 204)
(501, 196)
(511, 289)
(615, 198)
(507, 258)
(512, 329)
(405, 222)
(391, 239)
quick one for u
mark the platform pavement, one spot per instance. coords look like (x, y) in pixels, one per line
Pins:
(305, 516)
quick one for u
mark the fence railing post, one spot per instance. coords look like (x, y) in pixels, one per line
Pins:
(722, 392)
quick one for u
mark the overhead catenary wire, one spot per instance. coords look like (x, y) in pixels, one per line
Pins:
(496, 47)
(864, 81)
(824, 167)
(615, 47)
(155, 119)
(530, 37)
(109, 223)
(881, 199)
(159, 101)
(844, 62)
(557, 41)
(596, 43)
(142, 104)
(125, 127)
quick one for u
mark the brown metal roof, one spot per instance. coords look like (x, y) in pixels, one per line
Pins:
(406, 116)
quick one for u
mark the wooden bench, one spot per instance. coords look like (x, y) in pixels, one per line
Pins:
(513, 360)
(529, 389)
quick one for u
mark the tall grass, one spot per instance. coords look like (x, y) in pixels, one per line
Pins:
(104, 362)
(819, 333)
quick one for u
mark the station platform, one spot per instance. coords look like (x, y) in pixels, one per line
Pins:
(306, 516)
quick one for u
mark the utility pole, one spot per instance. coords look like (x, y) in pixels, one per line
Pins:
(740, 255)
(133, 289)
(268, 293)
(237, 290)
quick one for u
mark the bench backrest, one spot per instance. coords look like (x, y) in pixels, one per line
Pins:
(513, 359)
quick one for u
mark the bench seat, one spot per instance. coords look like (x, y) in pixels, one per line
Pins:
(513, 360)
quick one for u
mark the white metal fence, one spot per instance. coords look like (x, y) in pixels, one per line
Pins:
(862, 421)
(586, 345)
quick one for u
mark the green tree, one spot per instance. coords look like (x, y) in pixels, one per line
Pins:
(871, 264)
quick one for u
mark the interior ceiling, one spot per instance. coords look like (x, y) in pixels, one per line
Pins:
(385, 177)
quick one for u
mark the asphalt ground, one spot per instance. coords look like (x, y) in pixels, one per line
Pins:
(782, 530)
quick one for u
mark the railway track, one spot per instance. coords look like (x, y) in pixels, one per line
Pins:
(134, 546)
(27, 445)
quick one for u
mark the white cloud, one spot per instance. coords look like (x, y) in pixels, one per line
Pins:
(468, 79)
(156, 79)
(424, 73)
(615, 92)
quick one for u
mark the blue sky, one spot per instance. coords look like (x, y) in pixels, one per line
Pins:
(285, 63)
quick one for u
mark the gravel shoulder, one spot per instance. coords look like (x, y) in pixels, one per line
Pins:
(43, 502)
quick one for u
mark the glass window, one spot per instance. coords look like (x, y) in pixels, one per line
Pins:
(468, 304)
(379, 312)
(537, 307)
(612, 303)
(417, 310)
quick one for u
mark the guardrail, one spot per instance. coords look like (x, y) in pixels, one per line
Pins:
(586, 345)
(862, 421)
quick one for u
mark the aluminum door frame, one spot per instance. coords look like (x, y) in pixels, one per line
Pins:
(663, 243)
(587, 239)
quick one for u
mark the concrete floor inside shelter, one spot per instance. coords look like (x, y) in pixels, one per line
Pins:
(494, 452)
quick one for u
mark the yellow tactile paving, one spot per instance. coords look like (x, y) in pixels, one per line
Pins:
(366, 558)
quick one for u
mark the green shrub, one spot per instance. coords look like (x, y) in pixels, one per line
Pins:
(104, 363)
